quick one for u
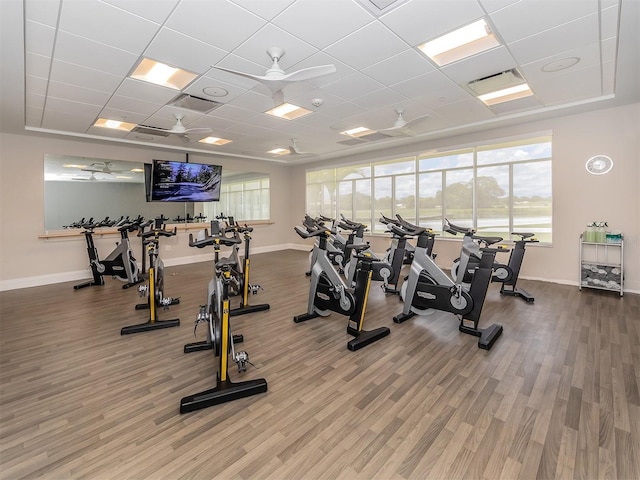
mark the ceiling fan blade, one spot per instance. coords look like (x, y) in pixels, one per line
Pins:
(309, 73)
(403, 131)
(197, 130)
(257, 78)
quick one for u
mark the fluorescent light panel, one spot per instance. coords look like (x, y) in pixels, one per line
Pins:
(279, 151)
(358, 132)
(462, 43)
(288, 111)
(215, 141)
(160, 74)
(506, 94)
(114, 124)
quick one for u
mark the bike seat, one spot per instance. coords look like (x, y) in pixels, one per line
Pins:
(524, 235)
(359, 247)
(487, 240)
(226, 261)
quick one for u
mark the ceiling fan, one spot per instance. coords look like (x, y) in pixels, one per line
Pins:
(179, 128)
(92, 177)
(295, 150)
(276, 79)
(402, 127)
(96, 168)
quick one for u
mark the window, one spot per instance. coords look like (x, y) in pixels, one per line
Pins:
(497, 189)
(244, 198)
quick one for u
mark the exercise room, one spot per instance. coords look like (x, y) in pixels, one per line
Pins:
(320, 239)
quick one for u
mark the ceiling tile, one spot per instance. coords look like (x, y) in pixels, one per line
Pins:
(158, 14)
(36, 85)
(367, 46)
(516, 106)
(430, 88)
(198, 86)
(37, 65)
(353, 85)
(322, 22)
(569, 36)
(379, 99)
(467, 111)
(72, 74)
(267, 10)
(146, 92)
(400, 67)
(588, 55)
(198, 19)
(179, 50)
(39, 38)
(529, 17)
(84, 52)
(572, 86)
(77, 94)
(609, 22)
(493, 5)
(128, 104)
(95, 20)
(42, 11)
(419, 20)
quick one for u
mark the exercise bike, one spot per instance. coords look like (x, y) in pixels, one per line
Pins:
(515, 262)
(240, 272)
(473, 242)
(154, 291)
(120, 263)
(428, 287)
(328, 292)
(400, 252)
(219, 336)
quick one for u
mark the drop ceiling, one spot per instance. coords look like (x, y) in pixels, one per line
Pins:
(77, 56)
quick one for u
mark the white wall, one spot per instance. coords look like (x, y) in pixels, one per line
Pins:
(578, 197)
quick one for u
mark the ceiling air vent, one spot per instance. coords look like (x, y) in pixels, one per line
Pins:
(379, 7)
(145, 130)
(493, 83)
(196, 104)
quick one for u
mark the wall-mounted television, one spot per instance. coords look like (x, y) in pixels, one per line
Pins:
(185, 182)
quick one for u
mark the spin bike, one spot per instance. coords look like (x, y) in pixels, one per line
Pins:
(473, 242)
(240, 271)
(219, 336)
(428, 287)
(328, 292)
(401, 252)
(154, 291)
(515, 262)
(120, 263)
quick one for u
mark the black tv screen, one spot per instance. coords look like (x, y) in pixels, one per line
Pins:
(185, 182)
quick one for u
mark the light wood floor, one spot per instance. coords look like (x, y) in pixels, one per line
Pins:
(556, 397)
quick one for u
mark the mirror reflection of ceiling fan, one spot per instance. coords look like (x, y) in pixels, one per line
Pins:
(101, 167)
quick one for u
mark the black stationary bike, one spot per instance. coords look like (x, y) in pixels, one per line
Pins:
(154, 291)
(120, 263)
(428, 287)
(515, 262)
(329, 293)
(216, 314)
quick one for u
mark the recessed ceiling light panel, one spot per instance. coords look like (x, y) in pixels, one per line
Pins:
(160, 74)
(462, 43)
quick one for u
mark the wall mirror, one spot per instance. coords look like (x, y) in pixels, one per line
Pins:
(83, 187)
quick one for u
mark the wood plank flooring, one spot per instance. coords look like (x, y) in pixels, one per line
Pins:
(556, 397)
